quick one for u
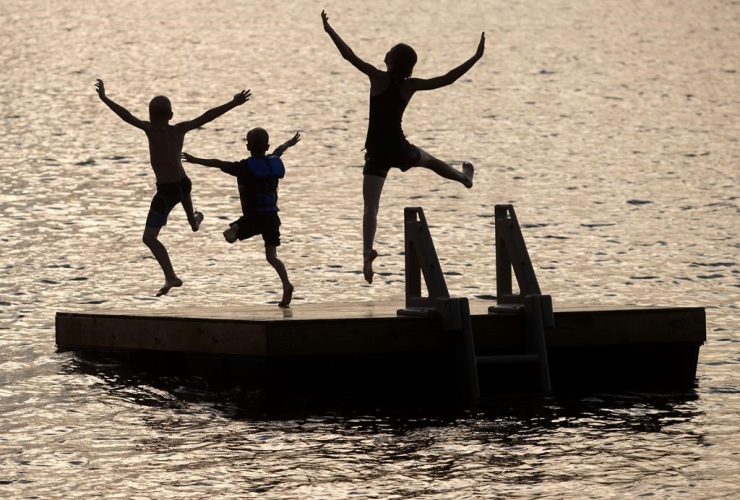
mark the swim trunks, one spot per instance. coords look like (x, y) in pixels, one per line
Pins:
(265, 223)
(165, 199)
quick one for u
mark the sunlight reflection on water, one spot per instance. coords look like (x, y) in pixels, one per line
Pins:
(611, 127)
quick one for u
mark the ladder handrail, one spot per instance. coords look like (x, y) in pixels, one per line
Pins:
(511, 252)
(421, 260)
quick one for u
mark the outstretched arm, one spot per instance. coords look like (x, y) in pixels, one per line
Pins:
(452, 75)
(122, 112)
(288, 144)
(205, 162)
(347, 53)
(214, 113)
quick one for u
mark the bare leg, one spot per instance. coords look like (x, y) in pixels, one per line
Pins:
(372, 187)
(194, 218)
(464, 177)
(163, 258)
(271, 255)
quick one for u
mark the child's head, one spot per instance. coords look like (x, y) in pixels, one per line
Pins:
(258, 141)
(400, 61)
(160, 109)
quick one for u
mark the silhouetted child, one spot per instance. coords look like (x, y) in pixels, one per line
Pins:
(386, 146)
(173, 185)
(258, 177)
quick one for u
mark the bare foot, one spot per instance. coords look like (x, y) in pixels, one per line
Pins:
(287, 296)
(168, 285)
(198, 219)
(468, 170)
(230, 234)
(367, 268)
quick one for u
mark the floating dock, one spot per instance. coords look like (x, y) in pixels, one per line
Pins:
(368, 348)
(430, 346)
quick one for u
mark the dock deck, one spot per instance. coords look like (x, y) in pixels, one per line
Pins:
(366, 346)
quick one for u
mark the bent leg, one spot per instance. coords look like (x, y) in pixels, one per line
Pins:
(194, 218)
(464, 177)
(271, 255)
(160, 253)
(372, 187)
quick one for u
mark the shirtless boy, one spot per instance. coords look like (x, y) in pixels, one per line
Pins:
(173, 184)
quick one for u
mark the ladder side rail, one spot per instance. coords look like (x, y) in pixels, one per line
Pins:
(412, 271)
(455, 315)
(535, 338)
(519, 256)
(421, 260)
(429, 264)
(503, 262)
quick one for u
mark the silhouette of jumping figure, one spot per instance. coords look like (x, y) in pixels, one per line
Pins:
(173, 185)
(386, 145)
(258, 177)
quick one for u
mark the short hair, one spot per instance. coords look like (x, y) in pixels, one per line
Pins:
(258, 140)
(403, 58)
(160, 107)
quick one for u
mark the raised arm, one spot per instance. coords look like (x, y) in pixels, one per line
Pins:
(122, 112)
(205, 162)
(214, 113)
(452, 75)
(347, 53)
(288, 144)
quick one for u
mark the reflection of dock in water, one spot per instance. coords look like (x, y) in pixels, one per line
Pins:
(430, 346)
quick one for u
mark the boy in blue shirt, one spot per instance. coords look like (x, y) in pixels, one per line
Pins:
(258, 177)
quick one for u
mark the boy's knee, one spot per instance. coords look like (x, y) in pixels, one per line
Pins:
(271, 255)
(148, 239)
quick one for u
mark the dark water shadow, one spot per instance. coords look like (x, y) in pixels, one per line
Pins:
(623, 412)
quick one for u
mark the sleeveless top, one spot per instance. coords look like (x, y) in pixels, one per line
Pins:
(384, 132)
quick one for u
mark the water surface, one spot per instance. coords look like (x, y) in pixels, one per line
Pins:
(611, 126)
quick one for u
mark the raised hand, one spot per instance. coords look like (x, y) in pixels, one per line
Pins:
(242, 97)
(100, 87)
(325, 20)
(294, 140)
(481, 46)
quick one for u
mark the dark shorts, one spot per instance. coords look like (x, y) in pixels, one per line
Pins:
(379, 163)
(165, 199)
(265, 223)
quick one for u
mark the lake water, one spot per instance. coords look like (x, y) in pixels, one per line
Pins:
(611, 126)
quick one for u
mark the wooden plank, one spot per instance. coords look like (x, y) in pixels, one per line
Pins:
(635, 326)
(361, 328)
(132, 333)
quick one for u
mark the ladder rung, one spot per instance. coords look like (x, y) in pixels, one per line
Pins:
(509, 358)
